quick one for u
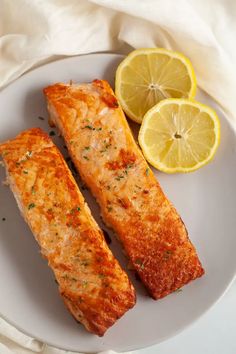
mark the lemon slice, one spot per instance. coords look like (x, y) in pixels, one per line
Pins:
(147, 76)
(179, 135)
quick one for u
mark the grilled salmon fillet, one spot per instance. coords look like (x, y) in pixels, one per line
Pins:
(91, 282)
(132, 202)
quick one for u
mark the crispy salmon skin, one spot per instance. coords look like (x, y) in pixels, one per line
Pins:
(91, 282)
(132, 202)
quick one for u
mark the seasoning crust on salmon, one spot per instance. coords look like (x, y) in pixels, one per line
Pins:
(91, 282)
(132, 202)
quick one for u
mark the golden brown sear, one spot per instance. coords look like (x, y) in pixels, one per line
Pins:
(91, 282)
(132, 202)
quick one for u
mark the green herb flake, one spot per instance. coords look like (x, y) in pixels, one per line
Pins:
(88, 127)
(118, 178)
(178, 290)
(87, 147)
(139, 262)
(85, 283)
(17, 164)
(109, 209)
(74, 210)
(5, 153)
(167, 254)
(28, 154)
(108, 187)
(101, 276)
(25, 172)
(86, 158)
(147, 171)
(52, 133)
(33, 190)
(98, 129)
(31, 206)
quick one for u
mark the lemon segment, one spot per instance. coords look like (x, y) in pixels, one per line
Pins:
(179, 135)
(147, 76)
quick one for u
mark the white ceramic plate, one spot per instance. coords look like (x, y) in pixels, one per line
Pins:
(206, 200)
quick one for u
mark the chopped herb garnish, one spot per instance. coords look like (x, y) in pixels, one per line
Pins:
(138, 186)
(52, 133)
(99, 129)
(17, 163)
(33, 190)
(101, 276)
(5, 153)
(71, 142)
(118, 178)
(28, 154)
(41, 118)
(139, 262)
(85, 283)
(167, 254)
(3, 219)
(108, 187)
(147, 171)
(31, 205)
(178, 290)
(109, 209)
(25, 172)
(88, 127)
(87, 147)
(74, 210)
(86, 157)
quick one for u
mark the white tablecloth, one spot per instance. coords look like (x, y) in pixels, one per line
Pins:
(33, 32)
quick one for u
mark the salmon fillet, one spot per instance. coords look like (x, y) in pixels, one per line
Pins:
(132, 202)
(91, 282)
